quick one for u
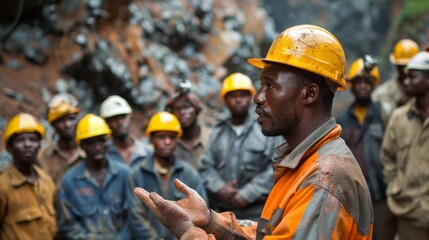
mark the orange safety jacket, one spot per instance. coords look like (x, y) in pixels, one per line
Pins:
(320, 193)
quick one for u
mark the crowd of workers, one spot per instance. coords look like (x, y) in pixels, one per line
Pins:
(292, 172)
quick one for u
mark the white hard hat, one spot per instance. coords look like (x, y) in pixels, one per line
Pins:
(420, 61)
(113, 106)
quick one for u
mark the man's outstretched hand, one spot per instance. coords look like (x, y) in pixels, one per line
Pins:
(177, 216)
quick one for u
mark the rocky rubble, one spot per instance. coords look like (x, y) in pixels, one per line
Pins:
(139, 49)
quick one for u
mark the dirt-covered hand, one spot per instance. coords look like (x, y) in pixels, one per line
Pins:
(192, 206)
(171, 215)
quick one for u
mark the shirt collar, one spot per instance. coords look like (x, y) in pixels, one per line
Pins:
(148, 165)
(140, 149)
(53, 148)
(291, 158)
(83, 172)
(18, 179)
(247, 124)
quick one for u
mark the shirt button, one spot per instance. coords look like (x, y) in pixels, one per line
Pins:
(106, 211)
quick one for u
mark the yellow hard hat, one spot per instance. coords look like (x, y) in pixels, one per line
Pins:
(403, 51)
(310, 48)
(164, 121)
(236, 81)
(21, 123)
(61, 105)
(90, 126)
(357, 69)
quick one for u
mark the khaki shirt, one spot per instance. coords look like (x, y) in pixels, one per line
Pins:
(192, 154)
(26, 209)
(405, 160)
(55, 163)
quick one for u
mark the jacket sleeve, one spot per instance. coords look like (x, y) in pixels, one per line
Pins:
(137, 222)
(314, 213)
(388, 153)
(208, 172)
(68, 224)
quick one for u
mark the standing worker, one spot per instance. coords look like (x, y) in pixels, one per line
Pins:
(26, 191)
(157, 174)
(93, 194)
(236, 166)
(393, 91)
(63, 152)
(187, 106)
(404, 154)
(123, 146)
(363, 129)
(320, 191)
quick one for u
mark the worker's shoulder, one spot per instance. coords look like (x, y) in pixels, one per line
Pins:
(339, 173)
(337, 168)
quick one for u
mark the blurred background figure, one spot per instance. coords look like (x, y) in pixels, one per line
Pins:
(123, 147)
(186, 106)
(404, 154)
(393, 91)
(363, 128)
(26, 191)
(92, 202)
(61, 152)
(157, 174)
(236, 165)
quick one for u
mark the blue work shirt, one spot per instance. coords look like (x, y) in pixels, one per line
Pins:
(89, 211)
(140, 152)
(144, 224)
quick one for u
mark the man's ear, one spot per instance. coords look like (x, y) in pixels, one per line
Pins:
(310, 93)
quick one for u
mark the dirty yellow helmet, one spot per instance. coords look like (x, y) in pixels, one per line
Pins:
(234, 82)
(21, 123)
(310, 48)
(61, 105)
(164, 121)
(90, 126)
(357, 69)
(403, 51)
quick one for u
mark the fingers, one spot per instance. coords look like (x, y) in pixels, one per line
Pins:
(233, 182)
(183, 187)
(144, 196)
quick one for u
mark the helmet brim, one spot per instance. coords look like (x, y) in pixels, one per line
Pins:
(261, 62)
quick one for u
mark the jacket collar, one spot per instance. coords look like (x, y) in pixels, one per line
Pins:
(291, 158)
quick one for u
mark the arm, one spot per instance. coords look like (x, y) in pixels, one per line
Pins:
(314, 213)
(388, 153)
(261, 183)
(208, 172)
